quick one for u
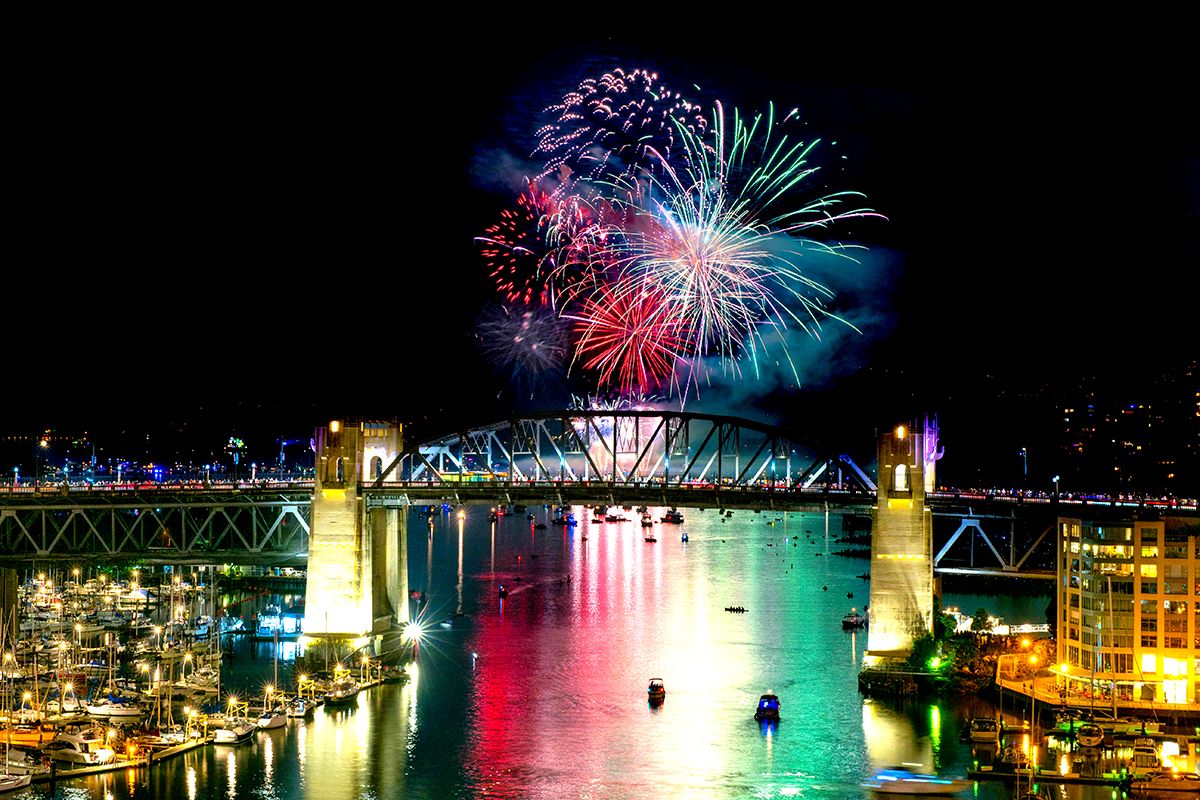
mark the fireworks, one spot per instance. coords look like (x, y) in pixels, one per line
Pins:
(669, 243)
(526, 342)
(718, 245)
(614, 127)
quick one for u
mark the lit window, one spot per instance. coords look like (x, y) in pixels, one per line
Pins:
(901, 478)
(1149, 665)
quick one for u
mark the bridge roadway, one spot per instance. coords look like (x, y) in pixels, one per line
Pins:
(269, 522)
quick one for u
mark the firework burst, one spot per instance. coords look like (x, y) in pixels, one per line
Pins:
(528, 342)
(615, 127)
(719, 242)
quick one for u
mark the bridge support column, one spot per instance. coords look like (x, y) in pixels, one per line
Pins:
(901, 546)
(349, 578)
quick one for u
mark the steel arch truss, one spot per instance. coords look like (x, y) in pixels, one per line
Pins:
(626, 449)
(179, 527)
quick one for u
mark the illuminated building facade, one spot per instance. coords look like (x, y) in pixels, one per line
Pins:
(357, 571)
(1129, 623)
(902, 542)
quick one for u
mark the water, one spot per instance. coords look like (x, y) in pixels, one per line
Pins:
(543, 695)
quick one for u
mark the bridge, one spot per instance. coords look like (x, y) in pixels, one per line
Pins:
(348, 525)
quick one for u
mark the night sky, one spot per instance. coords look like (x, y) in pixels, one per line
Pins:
(221, 243)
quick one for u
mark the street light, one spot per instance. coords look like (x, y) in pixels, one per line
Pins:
(43, 444)
(1024, 462)
(1056, 486)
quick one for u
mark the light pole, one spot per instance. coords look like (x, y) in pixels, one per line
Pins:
(37, 462)
(1025, 463)
(1056, 477)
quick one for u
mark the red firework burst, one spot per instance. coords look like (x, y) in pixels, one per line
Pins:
(631, 336)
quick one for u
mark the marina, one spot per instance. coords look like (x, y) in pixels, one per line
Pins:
(480, 579)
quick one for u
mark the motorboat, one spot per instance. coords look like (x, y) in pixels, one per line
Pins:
(342, 693)
(650, 537)
(32, 734)
(656, 692)
(84, 747)
(905, 780)
(234, 730)
(503, 593)
(673, 516)
(768, 707)
(853, 620)
(11, 783)
(1167, 784)
(1145, 757)
(984, 729)
(302, 708)
(275, 718)
(647, 520)
(684, 537)
(1089, 735)
(614, 518)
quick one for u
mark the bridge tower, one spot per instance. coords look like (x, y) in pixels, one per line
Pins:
(357, 570)
(902, 542)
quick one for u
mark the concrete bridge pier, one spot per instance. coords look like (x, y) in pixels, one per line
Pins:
(357, 562)
(902, 582)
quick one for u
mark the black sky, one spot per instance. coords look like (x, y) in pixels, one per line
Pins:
(214, 237)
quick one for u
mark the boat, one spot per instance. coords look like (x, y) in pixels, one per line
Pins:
(1145, 757)
(905, 780)
(1167, 784)
(503, 593)
(684, 537)
(656, 692)
(85, 747)
(984, 729)
(853, 620)
(275, 718)
(647, 521)
(31, 734)
(736, 609)
(1089, 735)
(344, 690)
(614, 518)
(234, 730)
(768, 707)
(11, 783)
(301, 708)
(115, 707)
(650, 537)
(673, 516)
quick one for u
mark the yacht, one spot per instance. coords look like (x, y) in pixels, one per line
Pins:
(1167, 784)
(343, 693)
(656, 692)
(115, 707)
(984, 729)
(84, 747)
(673, 516)
(1089, 735)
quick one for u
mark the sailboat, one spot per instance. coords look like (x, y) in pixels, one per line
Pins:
(115, 706)
(272, 715)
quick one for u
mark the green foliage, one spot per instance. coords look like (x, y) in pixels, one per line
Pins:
(943, 627)
(924, 650)
(981, 622)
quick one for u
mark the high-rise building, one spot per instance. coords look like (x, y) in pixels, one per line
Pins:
(1128, 620)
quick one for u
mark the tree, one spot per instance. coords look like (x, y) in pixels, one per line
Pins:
(981, 622)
